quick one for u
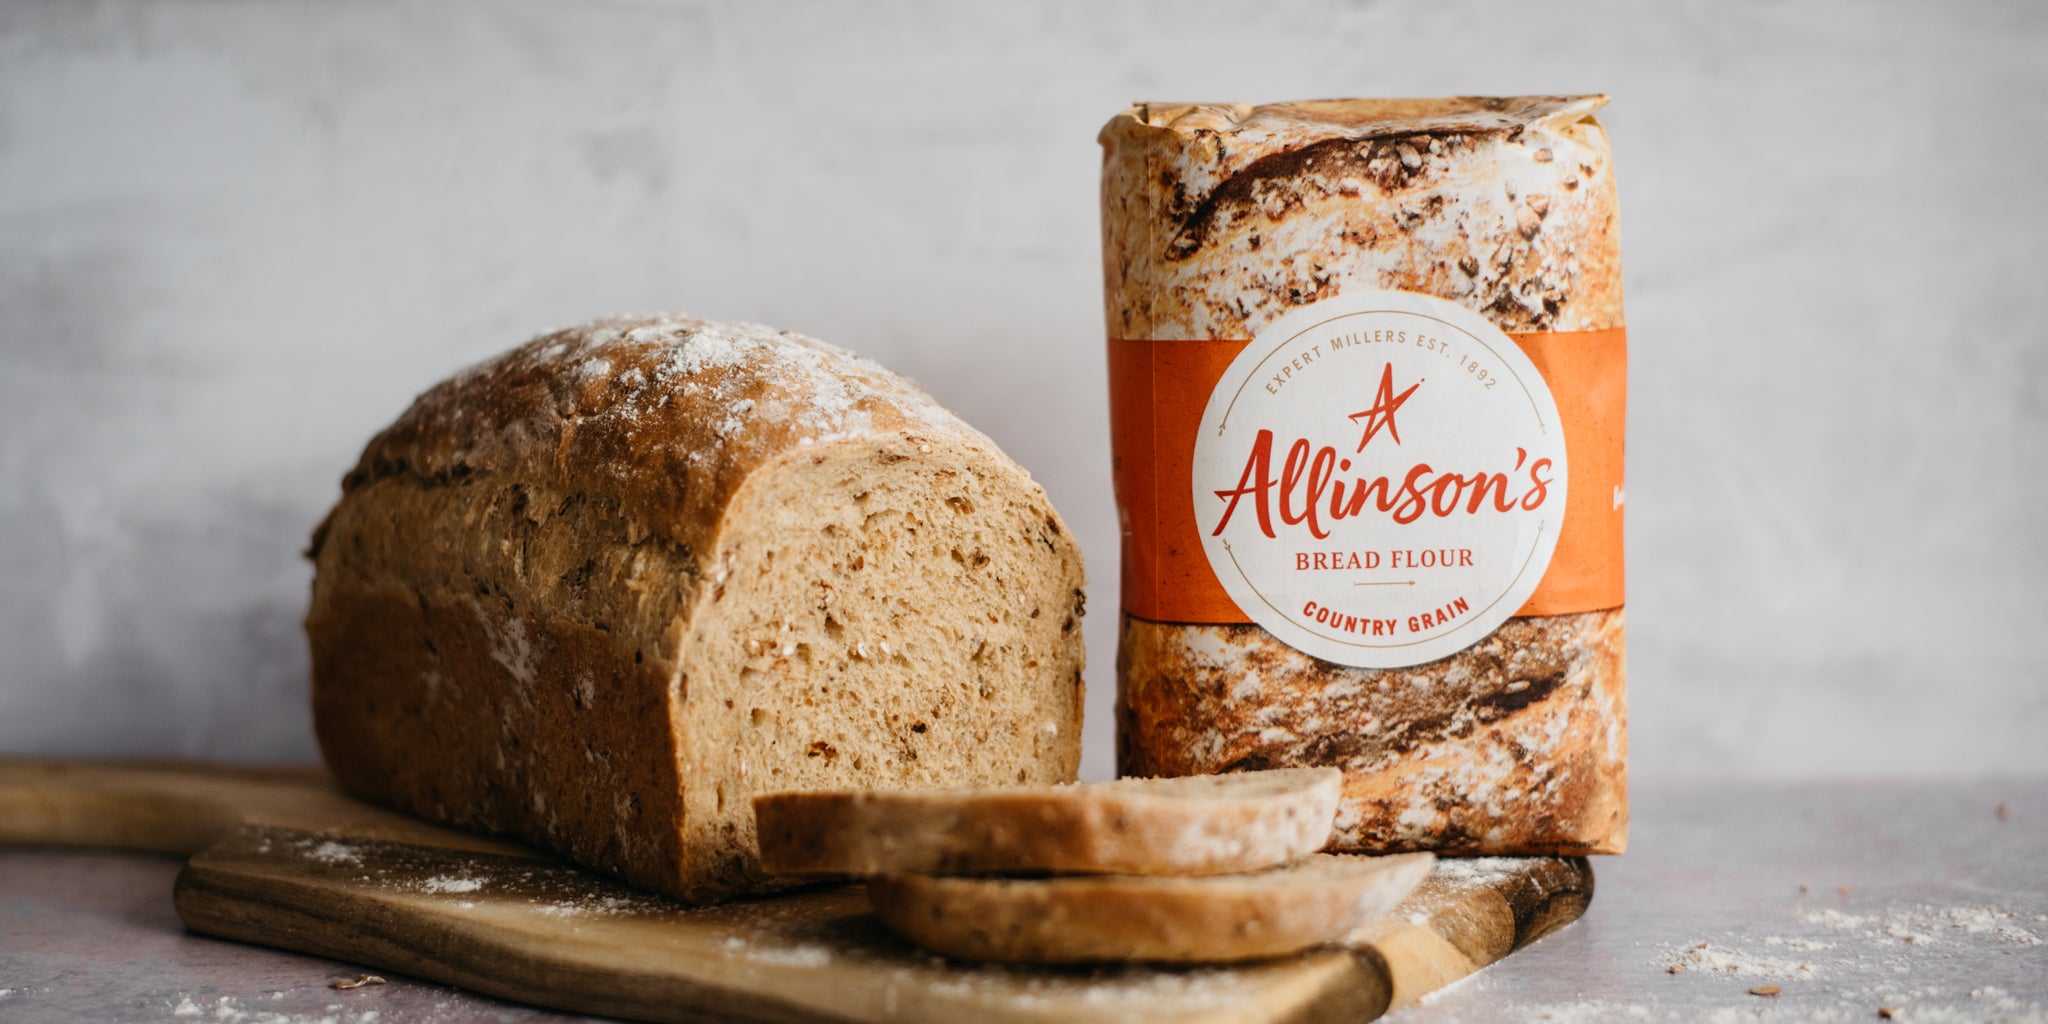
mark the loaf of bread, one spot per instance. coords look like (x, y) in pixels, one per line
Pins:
(1220, 219)
(601, 590)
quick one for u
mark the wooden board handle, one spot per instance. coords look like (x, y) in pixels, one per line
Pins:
(184, 807)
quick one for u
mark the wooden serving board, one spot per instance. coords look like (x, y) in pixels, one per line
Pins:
(278, 857)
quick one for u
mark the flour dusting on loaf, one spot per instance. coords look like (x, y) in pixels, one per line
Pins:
(598, 591)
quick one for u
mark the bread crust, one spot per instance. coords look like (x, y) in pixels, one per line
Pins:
(666, 416)
(1217, 220)
(1236, 823)
(1094, 919)
(503, 597)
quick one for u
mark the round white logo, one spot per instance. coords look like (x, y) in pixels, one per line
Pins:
(1379, 479)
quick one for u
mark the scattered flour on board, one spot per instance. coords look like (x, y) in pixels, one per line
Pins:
(331, 852)
(1189, 991)
(1142, 994)
(788, 956)
(598, 905)
(449, 883)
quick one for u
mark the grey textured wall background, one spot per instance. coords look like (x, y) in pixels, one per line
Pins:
(236, 238)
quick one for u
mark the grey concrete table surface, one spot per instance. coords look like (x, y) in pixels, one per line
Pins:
(1926, 900)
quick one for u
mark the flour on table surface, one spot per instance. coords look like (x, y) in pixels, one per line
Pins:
(1592, 1011)
(1707, 958)
(1987, 1005)
(1818, 965)
(1441, 992)
(456, 1008)
(1925, 924)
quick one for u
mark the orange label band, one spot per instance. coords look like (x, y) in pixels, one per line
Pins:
(1159, 389)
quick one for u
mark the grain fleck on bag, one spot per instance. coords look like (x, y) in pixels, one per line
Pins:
(1368, 375)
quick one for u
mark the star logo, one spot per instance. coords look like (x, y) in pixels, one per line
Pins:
(1384, 404)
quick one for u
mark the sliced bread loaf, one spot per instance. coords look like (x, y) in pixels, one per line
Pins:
(599, 591)
(1085, 919)
(1201, 825)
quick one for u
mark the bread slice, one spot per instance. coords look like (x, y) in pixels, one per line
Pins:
(1086, 919)
(1202, 825)
(599, 591)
